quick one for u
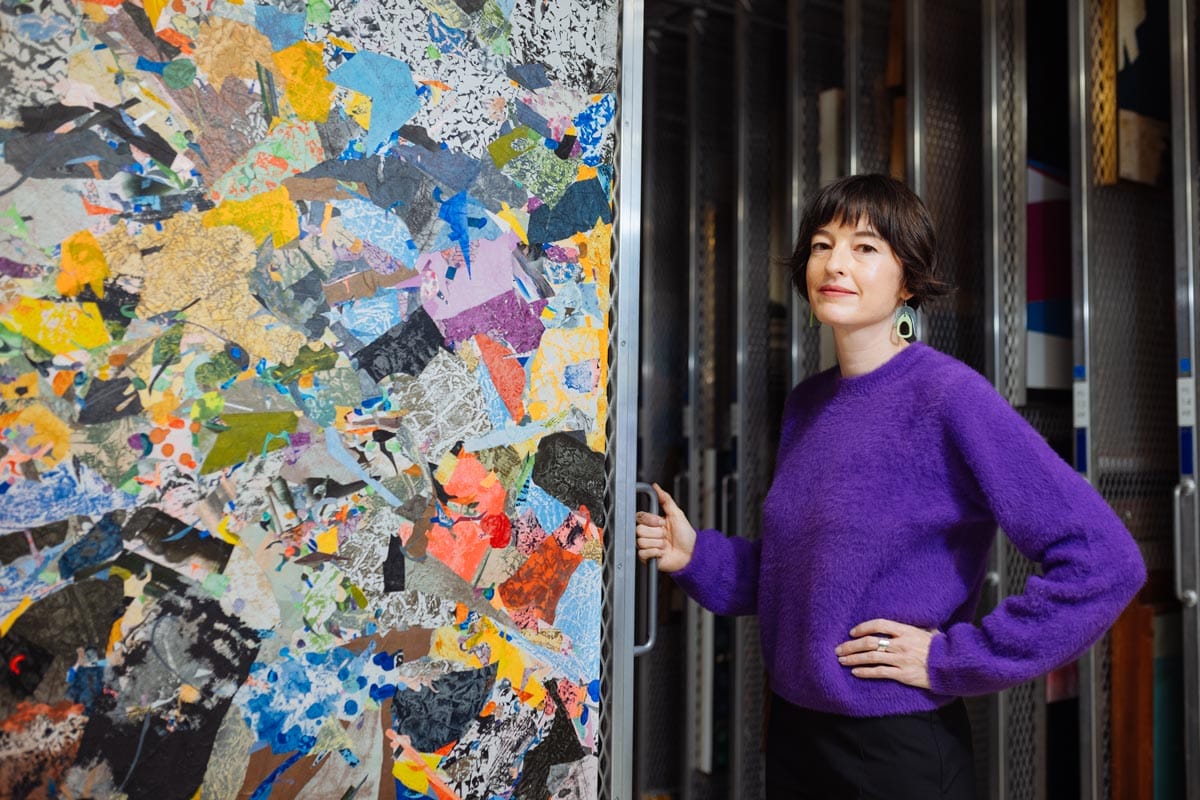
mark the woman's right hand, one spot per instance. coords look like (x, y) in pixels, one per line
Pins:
(670, 538)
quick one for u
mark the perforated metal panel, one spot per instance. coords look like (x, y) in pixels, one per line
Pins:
(1185, 18)
(1133, 438)
(874, 129)
(1010, 197)
(761, 49)
(1133, 357)
(710, 70)
(953, 175)
(1016, 725)
(1128, 242)
(664, 320)
(950, 91)
(660, 699)
(661, 671)
(614, 774)
(1023, 733)
(1102, 46)
(817, 31)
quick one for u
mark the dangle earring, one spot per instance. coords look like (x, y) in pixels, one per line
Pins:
(812, 319)
(905, 321)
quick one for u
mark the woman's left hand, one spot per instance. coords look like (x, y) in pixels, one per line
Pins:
(903, 657)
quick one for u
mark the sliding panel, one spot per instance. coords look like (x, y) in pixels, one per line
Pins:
(1185, 140)
(1014, 734)
(662, 389)
(710, 381)
(1126, 439)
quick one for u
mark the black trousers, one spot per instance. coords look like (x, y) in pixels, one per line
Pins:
(815, 756)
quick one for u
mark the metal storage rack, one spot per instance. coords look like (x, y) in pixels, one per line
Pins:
(1185, 140)
(970, 168)
(1125, 443)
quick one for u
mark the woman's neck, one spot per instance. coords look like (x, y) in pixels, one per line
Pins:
(863, 350)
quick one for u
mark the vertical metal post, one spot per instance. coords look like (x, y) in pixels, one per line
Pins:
(1005, 199)
(994, 330)
(914, 94)
(755, 34)
(625, 355)
(692, 610)
(646, 307)
(699, 625)
(798, 185)
(738, 761)
(854, 37)
(1090, 734)
(992, 181)
(1185, 143)
(914, 102)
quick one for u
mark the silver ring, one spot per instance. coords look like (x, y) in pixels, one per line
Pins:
(883, 643)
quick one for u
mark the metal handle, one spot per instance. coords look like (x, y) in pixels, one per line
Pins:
(726, 503)
(652, 592)
(1188, 597)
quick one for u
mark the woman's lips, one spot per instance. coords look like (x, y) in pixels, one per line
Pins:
(834, 290)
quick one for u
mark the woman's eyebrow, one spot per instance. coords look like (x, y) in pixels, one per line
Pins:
(867, 232)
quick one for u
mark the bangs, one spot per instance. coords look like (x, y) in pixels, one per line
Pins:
(864, 202)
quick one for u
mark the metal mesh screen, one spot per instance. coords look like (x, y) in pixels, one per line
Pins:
(664, 320)
(1134, 448)
(712, 73)
(821, 32)
(1022, 756)
(661, 697)
(954, 173)
(762, 90)
(1133, 435)
(1102, 49)
(604, 747)
(764, 102)
(710, 59)
(661, 708)
(953, 191)
(1133, 357)
(874, 100)
(1011, 199)
(1022, 729)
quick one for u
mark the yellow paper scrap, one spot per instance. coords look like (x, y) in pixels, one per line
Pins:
(268, 214)
(358, 107)
(154, 9)
(51, 437)
(415, 776)
(327, 542)
(15, 614)
(59, 327)
(515, 224)
(302, 67)
(82, 264)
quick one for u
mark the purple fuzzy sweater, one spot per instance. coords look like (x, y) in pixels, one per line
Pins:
(887, 493)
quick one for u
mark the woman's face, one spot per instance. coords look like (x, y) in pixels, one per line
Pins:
(855, 281)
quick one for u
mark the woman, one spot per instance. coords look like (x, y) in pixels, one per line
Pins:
(894, 470)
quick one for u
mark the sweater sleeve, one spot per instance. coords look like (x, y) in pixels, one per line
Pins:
(1091, 566)
(723, 573)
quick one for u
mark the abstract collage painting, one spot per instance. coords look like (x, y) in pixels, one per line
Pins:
(304, 332)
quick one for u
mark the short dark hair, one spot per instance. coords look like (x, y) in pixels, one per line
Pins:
(896, 214)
